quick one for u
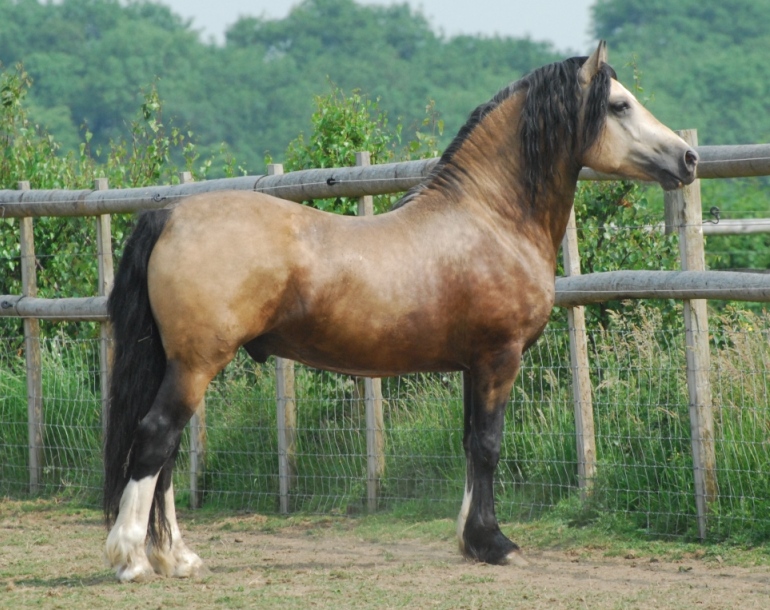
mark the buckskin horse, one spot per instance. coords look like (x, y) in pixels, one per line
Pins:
(459, 276)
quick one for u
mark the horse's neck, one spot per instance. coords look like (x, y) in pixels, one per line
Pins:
(552, 210)
(494, 186)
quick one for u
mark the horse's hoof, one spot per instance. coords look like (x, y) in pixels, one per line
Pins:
(189, 565)
(516, 558)
(130, 563)
(135, 573)
(178, 562)
(490, 545)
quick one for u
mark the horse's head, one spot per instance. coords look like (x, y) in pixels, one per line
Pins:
(625, 138)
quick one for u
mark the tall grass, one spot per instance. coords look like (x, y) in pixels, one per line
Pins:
(644, 473)
(643, 429)
(741, 383)
(72, 418)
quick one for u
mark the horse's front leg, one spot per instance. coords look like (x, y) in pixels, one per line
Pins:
(485, 394)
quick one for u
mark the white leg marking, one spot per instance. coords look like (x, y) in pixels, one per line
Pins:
(174, 558)
(125, 543)
(465, 508)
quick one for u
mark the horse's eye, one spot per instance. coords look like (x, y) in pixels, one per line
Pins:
(620, 107)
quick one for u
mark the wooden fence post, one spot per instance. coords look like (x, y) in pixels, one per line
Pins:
(375, 422)
(581, 380)
(286, 412)
(106, 280)
(197, 428)
(32, 353)
(684, 212)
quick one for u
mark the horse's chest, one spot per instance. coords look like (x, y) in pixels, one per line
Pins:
(517, 304)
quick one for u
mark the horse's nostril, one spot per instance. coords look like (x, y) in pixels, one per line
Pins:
(691, 159)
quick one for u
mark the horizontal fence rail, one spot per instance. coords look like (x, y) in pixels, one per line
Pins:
(730, 226)
(570, 292)
(716, 162)
(73, 309)
(295, 186)
(621, 285)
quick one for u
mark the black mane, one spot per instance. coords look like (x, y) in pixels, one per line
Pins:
(551, 112)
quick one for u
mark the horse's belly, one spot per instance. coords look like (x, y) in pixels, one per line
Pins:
(363, 355)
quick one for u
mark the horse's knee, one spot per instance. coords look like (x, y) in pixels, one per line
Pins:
(487, 454)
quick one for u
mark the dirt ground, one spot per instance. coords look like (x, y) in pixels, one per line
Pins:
(52, 559)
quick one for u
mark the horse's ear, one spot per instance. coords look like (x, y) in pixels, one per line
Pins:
(593, 64)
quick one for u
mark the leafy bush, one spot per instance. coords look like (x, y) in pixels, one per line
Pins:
(343, 125)
(148, 156)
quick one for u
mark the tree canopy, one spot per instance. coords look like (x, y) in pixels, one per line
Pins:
(91, 60)
(702, 64)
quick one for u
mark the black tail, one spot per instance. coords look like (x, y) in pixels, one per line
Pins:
(138, 367)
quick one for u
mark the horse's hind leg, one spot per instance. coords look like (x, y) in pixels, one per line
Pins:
(125, 544)
(172, 557)
(154, 447)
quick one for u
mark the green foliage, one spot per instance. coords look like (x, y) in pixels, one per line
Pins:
(743, 198)
(28, 153)
(342, 126)
(72, 414)
(617, 230)
(145, 158)
(427, 138)
(65, 247)
(91, 58)
(643, 429)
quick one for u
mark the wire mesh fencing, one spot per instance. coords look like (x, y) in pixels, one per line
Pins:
(71, 425)
(643, 481)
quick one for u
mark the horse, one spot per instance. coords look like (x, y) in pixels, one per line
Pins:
(458, 276)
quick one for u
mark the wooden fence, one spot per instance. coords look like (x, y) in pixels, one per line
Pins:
(692, 284)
